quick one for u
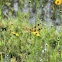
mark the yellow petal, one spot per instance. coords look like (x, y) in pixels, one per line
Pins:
(38, 34)
(35, 32)
(17, 35)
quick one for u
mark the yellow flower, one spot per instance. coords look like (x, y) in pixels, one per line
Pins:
(15, 33)
(58, 2)
(36, 33)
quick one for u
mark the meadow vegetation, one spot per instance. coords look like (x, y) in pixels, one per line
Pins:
(20, 45)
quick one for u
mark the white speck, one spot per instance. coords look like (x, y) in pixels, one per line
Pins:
(7, 55)
(40, 59)
(45, 49)
(42, 51)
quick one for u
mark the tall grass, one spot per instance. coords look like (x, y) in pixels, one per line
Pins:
(16, 44)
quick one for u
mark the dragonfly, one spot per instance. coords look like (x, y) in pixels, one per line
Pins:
(33, 29)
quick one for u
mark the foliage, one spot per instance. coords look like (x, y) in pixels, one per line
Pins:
(20, 45)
